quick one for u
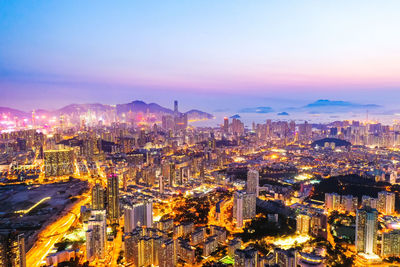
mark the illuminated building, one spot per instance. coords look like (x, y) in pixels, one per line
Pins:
(252, 184)
(226, 125)
(166, 254)
(238, 208)
(166, 225)
(96, 236)
(12, 249)
(386, 202)
(131, 246)
(332, 201)
(197, 236)
(147, 247)
(113, 197)
(138, 214)
(349, 203)
(318, 225)
(244, 207)
(98, 197)
(58, 162)
(390, 244)
(303, 223)
(219, 232)
(184, 229)
(366, 231)
(285, 258)
(367, 201)
(210, 245)
(309, 259)
(246, 257)
(180, 119)
(168, 122)
(184, 251)
(233, 245)
(161, 184)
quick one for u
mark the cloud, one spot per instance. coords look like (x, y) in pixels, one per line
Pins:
(256, 110)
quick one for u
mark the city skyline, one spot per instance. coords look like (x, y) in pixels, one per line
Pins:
(211, 133)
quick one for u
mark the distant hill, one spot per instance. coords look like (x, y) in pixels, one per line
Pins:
(136, 106)
(338, 142)
(10, 112)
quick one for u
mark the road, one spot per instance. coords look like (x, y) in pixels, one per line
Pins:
(54, 232)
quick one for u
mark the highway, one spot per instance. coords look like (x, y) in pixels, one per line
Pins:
(54, 232)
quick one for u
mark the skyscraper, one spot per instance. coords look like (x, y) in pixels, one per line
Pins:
(12, 249)
(112, 197)
(366, 231)
(176, 107)
(226, 125)
(98, 197)
(252, 182)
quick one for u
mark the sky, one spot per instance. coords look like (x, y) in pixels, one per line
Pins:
(207, 54)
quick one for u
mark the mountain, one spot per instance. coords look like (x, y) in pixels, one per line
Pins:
(284, 113)
(11, 113)
(140, 106)
(83, 108)
(97, 108)
(195, 114)
(327, 105)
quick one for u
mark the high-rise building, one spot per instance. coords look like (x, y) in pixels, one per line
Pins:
(147, 247)
(303, 223)
(112, 197)
(332, 201)
(166, 254)
(12, 249)
(96, 235)
(176, 106)
(226, 125)
(161, 184)
(390, 244)
(386, 202)
(252, 182)
(138, 214)
(58, 162)
(285, 258)
(367, 201)
(349, 203)
(244, 207)
(98, 197)
(238, 208)
(367, 231)
(246, 257)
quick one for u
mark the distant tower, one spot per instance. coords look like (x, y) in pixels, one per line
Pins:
(176, 107)
(226, 125)
(33, 118)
